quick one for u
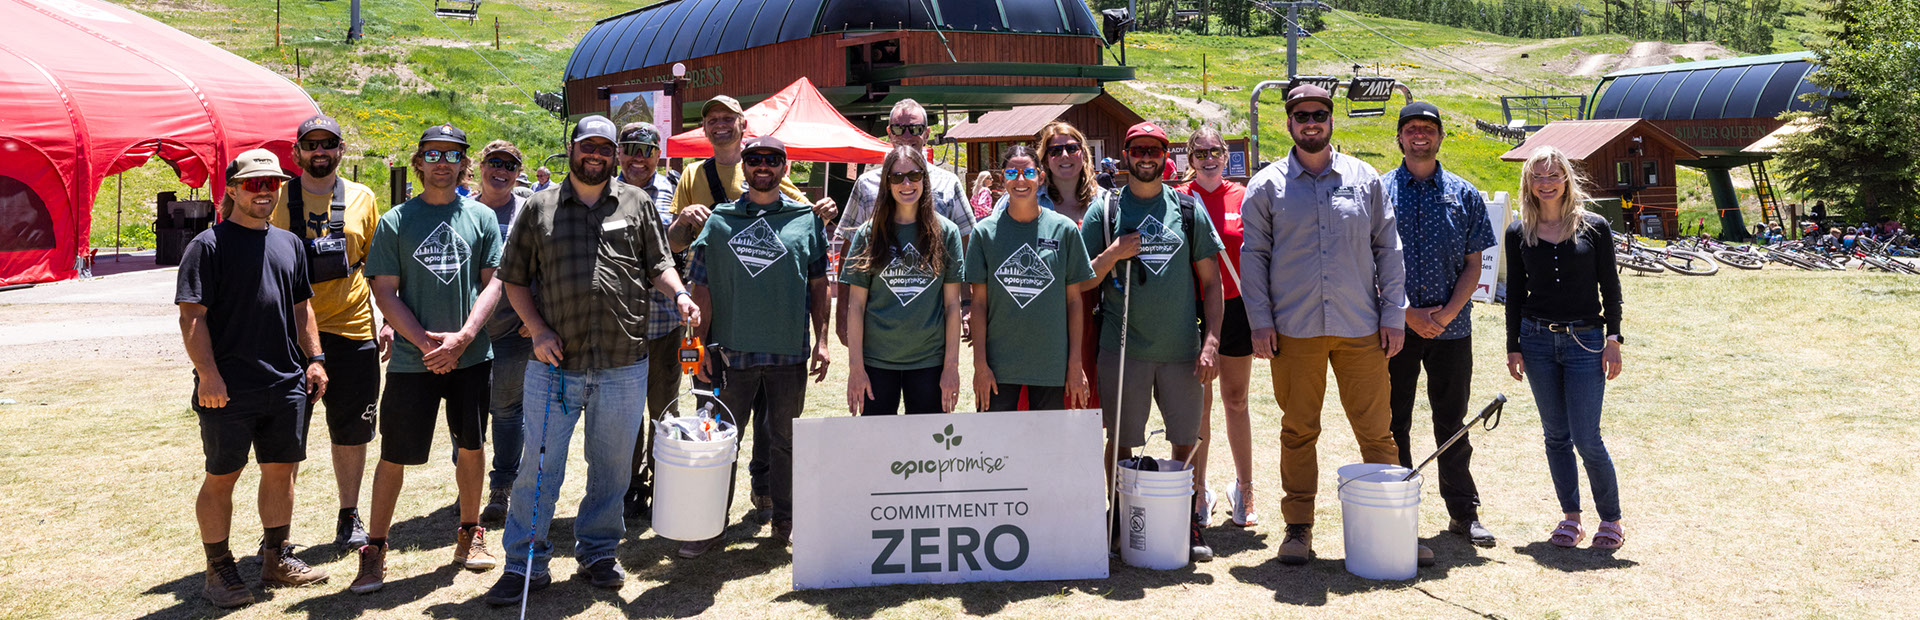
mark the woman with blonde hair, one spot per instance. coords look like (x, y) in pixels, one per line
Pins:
(1563, 334)
(982, 195)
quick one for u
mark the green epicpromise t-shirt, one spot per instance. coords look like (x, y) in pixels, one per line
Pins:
(1027, 267)
(906, 319)
(438, 252)
(1162, 325)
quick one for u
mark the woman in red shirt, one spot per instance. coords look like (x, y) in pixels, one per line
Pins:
(1207, 157)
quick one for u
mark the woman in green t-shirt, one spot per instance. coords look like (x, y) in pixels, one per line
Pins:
(903, 298)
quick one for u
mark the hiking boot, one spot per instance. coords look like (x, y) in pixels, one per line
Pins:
(1297, 549)
(1426, 556)
(1240, 499)
(225, 588)
(470, 550)
(349, 532)
(783, 533)
(1197, 545)
(496, 509)
(507, 590)
(373, 570)
(1205, 515)
(762, 510)
(1475, 533)
(699, 548)
(638, 503)
(279, 567)
(605, 573)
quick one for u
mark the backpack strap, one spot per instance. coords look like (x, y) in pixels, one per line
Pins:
(711, 169)
(1191, 207)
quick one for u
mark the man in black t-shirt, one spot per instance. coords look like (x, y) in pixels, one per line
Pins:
(251, 334)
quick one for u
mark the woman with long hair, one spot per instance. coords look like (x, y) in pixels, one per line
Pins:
(983, 195)
(1072, 190)
(1207, 159)
(903, 285)
(1025, 264)
(1563, 334)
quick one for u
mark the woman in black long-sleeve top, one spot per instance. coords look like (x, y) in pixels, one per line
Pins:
(1563, 333)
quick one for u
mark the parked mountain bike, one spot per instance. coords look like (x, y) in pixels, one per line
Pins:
(1739, 256)
(1629, 254)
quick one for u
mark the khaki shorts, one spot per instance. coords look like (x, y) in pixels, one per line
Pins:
(1172, 385)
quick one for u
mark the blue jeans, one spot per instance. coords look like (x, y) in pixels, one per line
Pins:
(509, 373)
(1569, 387)
(613, 403)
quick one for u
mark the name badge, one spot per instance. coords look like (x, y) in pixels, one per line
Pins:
(1451, 200)
(1049, 244)
(613, 225)
(1346, 191)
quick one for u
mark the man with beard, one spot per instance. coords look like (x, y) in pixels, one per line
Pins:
(1161, 244)
(249, 330)
(499, 190)
(432, 264)
(1443, 227)
(591, 246)
(759, 268)
(639, 167)
(906, 126)
(335, 218)
(1323, 287)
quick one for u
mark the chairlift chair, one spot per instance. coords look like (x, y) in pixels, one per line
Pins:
(457, 9)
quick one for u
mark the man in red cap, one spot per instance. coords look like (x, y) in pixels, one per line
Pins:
(1161, 244)
(1323, 287)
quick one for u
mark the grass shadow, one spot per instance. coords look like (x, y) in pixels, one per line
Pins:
(1573, 560)
(1230, 540)
(1124, 583)
(690, 587)
(340, 603)
(1316, 582)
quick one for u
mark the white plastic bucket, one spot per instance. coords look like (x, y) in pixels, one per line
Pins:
(1155, 512)
(1380, 517)
(690, 480)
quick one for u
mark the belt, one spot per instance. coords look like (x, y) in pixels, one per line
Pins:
(1566, 328)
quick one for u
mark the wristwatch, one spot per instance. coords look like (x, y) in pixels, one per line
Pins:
(320, 359)
(1622, 340)
(677, 294)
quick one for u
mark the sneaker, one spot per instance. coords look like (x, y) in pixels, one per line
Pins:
(1205, 515)
(699, 548)
(1297, 549)
(373, 570)
(1197, 545)
(225, 589)
(783, 533)
(279, 567)
(1240, 499)
(350, 532)
(762, 510)
(470, 550)
(507, 590)
(496, 508)
(1476, 533)
(605, 573)
(638, 503)
(1426, 556)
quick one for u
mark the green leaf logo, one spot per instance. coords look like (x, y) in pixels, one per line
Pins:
(947, 438)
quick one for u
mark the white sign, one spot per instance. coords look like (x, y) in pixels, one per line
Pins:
(1011, 496)
(1490, 258)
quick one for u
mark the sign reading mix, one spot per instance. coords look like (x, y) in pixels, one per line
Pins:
(1013, 496)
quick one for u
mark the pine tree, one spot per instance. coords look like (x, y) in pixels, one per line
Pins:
(1860, 155)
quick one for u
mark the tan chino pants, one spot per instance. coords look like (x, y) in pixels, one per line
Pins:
(1300, 387)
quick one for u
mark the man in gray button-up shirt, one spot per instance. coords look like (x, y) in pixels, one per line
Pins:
(1324, 286)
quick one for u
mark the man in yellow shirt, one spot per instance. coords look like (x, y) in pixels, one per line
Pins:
(335, 218)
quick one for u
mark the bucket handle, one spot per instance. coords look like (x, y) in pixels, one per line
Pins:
(714, 395)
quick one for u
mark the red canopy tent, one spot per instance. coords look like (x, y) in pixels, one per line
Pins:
(92, 89)
(801, 118)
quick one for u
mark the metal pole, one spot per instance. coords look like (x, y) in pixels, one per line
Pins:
(1293, 39)
(496, 32)
(119, 187)
(1253, 119)
(276, 24)
(354, 25)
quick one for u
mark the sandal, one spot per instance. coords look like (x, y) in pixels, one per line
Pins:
(1567, 534)
(1609, 536)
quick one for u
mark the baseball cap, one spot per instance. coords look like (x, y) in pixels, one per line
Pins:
(444, 133)
(255, 164)
(722, 101)
(1308, 92)
(1145, 130)
(501, 147)
(766, 143)
(1421, 110)
(643, 134)
(594, 126)
(320, 122)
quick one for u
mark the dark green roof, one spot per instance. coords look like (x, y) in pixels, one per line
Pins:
(1749, 87)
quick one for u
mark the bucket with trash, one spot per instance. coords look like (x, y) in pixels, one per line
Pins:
(693, 460)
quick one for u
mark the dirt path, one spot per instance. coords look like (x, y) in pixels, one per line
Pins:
(1208, 111)
(1647, 54)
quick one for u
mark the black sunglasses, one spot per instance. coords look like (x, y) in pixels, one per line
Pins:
(601, 149)
(323, 144)
(502, 164)
(634, 149)
(764, 160)
(1063, 149)
(451, 156)
(896, 178)
(912, 129)
(1316, 116)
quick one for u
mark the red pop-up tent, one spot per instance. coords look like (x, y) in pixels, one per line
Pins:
(801, 118)
(91, 89)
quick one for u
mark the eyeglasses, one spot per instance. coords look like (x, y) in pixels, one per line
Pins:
(451, 156)
(1548, 179)
(764, 160)
(1146, 151)
(896, 178)
(635, 149)
(1209, 153)
(596, 148)
(502, 164)
(1071, 148)
(1019, 173)
(323, 144)
(1316, 116)
(260, 185)
(909, 129)
(720, 121)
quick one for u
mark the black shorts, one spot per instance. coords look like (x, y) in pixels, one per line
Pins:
(1236, 337)
(353, 388)
(273, 423)
(408, 406)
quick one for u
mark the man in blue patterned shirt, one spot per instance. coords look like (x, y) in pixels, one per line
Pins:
(639, 167)
(1443, 228)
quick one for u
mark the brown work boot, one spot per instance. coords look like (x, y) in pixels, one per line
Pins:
(279, 567)
(1297, 549)
(470, 550)
(699, 548)
(373, 570)
(783, 533)
(225, 589)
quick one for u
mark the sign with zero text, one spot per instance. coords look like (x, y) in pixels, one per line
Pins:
(1011, 496)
